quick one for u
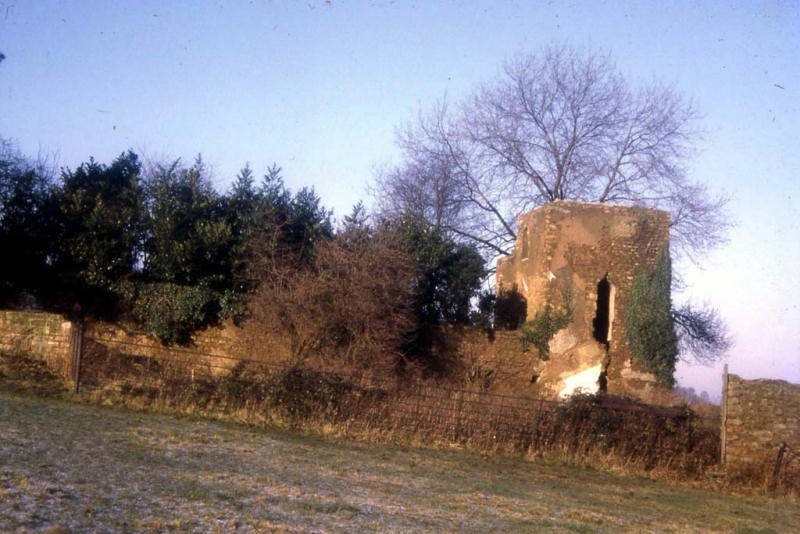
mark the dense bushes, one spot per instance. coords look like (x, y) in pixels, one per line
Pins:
(157, 244)
(171, 312)
(351, 302)
(449, 274)
(25, 235)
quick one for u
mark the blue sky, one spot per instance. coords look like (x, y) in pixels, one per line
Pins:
(320, 87)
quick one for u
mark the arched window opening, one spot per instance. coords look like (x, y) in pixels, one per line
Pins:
(604, 314)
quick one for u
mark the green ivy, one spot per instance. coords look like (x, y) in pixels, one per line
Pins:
(651, 332)
(171, 312)
(544, 325)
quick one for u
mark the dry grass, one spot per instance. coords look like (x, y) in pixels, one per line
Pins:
(641, 442)
(68, 467)
(627, 435)
(422, 415)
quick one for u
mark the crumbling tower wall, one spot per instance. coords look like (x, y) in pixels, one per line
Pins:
(586, 256)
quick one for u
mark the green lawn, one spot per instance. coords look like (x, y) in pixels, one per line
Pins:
(75, 468)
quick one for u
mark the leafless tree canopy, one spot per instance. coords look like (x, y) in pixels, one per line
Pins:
(562, 124)
(702, 334)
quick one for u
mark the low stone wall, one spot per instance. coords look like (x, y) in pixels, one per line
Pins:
(48, 337)
(216, 349)
(758, 415)
(44, 336)
(484, 362)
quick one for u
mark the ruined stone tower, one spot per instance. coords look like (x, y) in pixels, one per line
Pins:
(585, 256)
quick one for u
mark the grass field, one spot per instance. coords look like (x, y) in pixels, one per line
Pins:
(76, 468)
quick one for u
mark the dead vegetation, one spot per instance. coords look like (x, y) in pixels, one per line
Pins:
(674, 443)
(778, 473)
(604, 432)
(351, 303)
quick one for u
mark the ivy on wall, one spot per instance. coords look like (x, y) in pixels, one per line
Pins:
(544, 325)
(651, 332)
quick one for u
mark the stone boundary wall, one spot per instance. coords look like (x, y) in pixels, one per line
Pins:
(48, 336)
(44, 336)
(487, 363)
(227, 342)
(494, 363)
(757, 416)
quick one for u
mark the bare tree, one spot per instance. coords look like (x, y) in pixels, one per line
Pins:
(444, 182)
(702, 334)
(562, 124)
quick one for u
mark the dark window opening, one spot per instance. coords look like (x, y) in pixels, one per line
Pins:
(601, 318)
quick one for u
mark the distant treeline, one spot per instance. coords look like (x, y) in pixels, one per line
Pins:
(157, 244)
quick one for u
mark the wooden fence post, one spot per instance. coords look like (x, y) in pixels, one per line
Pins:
(77, 354)
(772, 483)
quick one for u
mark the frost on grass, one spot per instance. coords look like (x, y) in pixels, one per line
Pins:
(67, 468)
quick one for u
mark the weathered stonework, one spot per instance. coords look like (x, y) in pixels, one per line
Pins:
(493, 363)
(577, 251)
(758, 415)
(215, 350)
(44, 336)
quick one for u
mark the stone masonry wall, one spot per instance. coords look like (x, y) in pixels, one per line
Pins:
(227, 342)
(44, 336)
(759, 415)
(493, 362)
(47, 336)
(569, 247)
(483, 362)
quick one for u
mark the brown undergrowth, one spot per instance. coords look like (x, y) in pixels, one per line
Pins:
(771, 475)
(18, 372)
(616, 435)
(601, 432)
